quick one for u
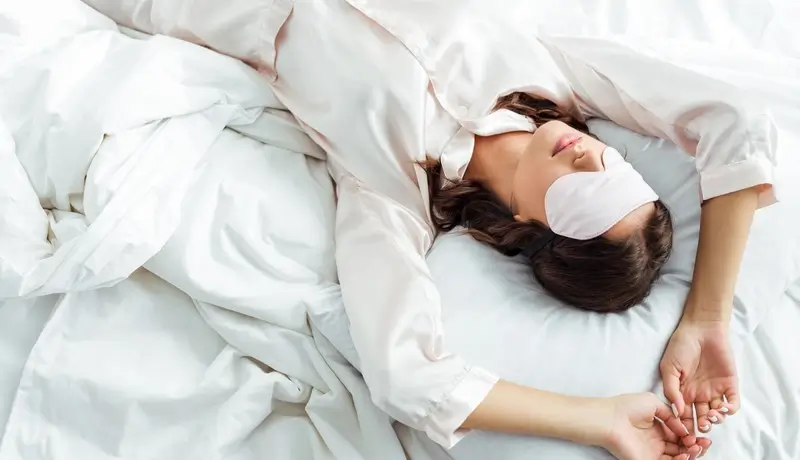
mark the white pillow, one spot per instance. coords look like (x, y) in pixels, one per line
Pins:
(497, 317)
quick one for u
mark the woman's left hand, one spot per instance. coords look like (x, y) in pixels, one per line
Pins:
(698, 368)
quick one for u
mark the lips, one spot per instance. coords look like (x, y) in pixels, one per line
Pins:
(565, 142)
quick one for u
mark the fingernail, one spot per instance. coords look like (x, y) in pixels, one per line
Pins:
(705, 428)
(724, 410)
(713, 419)
(674, 411)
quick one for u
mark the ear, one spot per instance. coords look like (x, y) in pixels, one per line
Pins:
(518, 218)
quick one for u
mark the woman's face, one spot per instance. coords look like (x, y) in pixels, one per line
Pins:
(555, 150)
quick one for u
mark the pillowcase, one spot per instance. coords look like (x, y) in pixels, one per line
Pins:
(497, 317)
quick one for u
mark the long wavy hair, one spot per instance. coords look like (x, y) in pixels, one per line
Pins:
(599, 274)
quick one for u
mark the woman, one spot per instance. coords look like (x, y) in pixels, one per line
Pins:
(366, 98)
(383, 85)
(609, 272)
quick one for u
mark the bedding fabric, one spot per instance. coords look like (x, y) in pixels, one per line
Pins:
(165, 226)
(604, 355)
(166, 236)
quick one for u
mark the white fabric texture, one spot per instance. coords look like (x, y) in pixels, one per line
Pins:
(244, 29)
(114, 153)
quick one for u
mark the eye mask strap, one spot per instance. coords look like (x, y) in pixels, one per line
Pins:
(540, 243)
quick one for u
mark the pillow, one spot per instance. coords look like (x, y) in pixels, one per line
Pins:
(498, 318)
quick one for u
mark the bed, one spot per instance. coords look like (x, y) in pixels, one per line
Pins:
(167, 285)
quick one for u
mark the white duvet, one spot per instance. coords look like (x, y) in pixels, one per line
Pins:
(157, 267)
(166, 232)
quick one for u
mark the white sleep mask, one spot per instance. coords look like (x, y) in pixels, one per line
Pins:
(584, 205)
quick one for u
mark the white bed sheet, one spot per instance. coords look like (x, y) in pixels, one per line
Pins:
(766, 428)
(157, 267)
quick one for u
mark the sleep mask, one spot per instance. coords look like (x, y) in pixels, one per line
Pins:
(584, 205)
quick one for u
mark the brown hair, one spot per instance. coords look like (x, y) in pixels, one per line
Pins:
(599, 274)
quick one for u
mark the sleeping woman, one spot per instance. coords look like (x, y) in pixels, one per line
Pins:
(436, 116)
(443, 114)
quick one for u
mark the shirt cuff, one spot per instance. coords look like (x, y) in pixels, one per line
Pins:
(442, 424)
(740, 176)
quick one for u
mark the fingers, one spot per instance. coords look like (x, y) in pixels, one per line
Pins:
(716, 411)
(705, 444)
(674, 425)
(703, 422)
(669, 436)
(687, 419)
(671, 377)
(674, 449)
(715, 416)
(676, 453)
(694, 451)
(730, 404)
(713, 413)
(672, 452)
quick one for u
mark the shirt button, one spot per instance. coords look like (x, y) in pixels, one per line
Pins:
(462, 110)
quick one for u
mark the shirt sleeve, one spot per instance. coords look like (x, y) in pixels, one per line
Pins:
(730, 134)
(395, 316)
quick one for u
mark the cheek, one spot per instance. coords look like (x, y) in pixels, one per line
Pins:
(542, 172)
(531, 191)
(530, 197)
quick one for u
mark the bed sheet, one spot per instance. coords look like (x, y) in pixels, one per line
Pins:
(766, 428)
(165, 226)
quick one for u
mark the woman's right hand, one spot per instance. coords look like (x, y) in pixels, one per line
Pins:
(633, 433)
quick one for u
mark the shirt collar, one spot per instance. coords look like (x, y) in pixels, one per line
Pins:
(457, 154)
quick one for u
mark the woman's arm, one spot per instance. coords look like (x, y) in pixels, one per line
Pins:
(394, 311)
(724, 228)
(624, 425)
(698, 365)
(512, 408)
(652, 89)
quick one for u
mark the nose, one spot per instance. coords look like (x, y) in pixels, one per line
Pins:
(588, 160)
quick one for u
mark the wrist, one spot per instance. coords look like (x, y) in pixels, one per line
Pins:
(582, 420)
(597, 428)
(704, 311)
